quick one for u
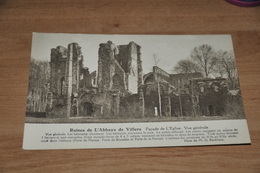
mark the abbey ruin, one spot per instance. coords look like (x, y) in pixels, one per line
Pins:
(119, 87)
(74, 91)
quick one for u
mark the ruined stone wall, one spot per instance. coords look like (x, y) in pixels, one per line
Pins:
(151, 98)
(180, 80)
(181, 105)
(66, 68)
(58, 68)
(110, 73)
(209, 95)
(119, 75)
(105, 104)
(123, 57)
(93, 77)
(106, 55)
(129, 58)
(84, 78)
(161, 75)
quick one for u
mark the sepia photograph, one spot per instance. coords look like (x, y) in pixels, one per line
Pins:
(125, 91)
(79, 78)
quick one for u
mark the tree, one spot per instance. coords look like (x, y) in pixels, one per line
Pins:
(186, 66)
(226, 67)
(39, 73)
(155, 59)
(38, 79)
(204, 56)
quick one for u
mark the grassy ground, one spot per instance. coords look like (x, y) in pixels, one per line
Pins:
(124, 120)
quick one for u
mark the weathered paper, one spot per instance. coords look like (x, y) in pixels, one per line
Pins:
(121, 91)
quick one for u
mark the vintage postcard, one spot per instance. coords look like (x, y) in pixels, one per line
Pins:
(121, 91)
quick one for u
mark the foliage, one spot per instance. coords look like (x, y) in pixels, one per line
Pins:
(205, 59)
(155, 59)
(204, 56)
(39, 77)
(186, 66)
(58, 112)
(130, 110)
(234, 109)
(39, 73)
(226, 67)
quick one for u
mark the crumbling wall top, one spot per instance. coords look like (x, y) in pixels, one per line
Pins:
(58, 53)
(112, 46)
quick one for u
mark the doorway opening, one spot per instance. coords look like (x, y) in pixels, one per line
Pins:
(211, 110)
(88, 109)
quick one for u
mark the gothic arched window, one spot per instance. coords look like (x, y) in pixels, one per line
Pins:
(62, 85)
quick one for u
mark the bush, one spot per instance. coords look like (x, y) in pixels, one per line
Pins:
(58, 112)
(130, 110)
(234, 109)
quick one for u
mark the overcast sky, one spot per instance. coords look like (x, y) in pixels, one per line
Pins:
(168, 48)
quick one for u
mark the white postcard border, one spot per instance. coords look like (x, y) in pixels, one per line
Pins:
(157, 134)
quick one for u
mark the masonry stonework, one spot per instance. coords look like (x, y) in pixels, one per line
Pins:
(74, 91)
(119, 67)
(118, 87)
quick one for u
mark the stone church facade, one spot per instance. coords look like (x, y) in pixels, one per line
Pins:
(119, 88)
(184, 94)
(74, 91)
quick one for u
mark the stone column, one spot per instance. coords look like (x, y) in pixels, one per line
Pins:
(141, 102)
(140, 66)
(69, 78)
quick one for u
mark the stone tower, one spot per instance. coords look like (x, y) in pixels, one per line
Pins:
(119, 67)
(66, 66)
